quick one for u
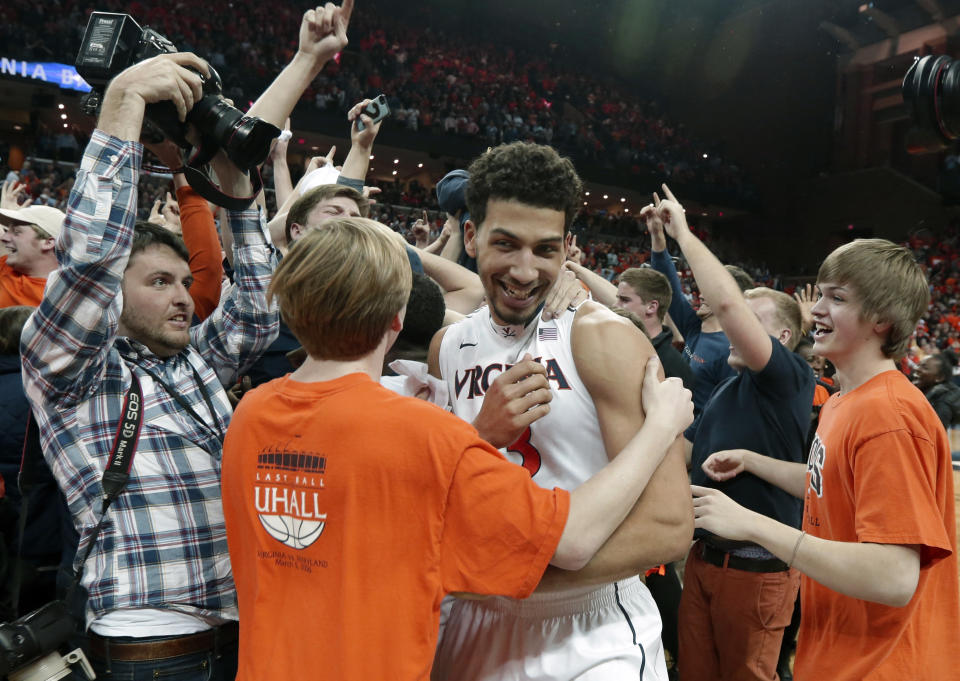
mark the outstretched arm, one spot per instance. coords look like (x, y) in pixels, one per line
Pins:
(718, 288)
(881, 573)
(323, 33)
(282, 184)
(462, 289)
(681, 311)
(361, 143)
(728, 463)
(603, 291)
(244, 324)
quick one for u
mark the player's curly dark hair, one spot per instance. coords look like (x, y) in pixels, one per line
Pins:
(533, 174)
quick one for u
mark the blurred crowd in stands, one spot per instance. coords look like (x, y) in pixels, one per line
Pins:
(435, 81)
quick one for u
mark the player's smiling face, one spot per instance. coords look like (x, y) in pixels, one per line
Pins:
(519, 252)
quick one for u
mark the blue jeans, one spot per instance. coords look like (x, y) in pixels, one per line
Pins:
(209, 665)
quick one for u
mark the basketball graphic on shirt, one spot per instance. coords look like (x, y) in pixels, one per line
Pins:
(287, 495)
(294, 532)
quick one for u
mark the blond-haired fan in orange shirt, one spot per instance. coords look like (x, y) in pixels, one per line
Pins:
(878, 550)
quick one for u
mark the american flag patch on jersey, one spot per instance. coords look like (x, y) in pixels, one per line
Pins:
(548, 333)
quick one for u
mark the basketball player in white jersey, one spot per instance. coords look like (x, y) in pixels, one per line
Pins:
(561, 397)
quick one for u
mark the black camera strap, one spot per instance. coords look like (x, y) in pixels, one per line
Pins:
(26, 480)
(117, 474)
(212, 430)
(201, 183)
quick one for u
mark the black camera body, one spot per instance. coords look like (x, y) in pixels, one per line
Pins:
(28, 646)
(931, 91)
(112, 42)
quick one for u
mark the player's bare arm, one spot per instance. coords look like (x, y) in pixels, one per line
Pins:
(718, 288)
(611, 357)
(881, 573)
(599, 505)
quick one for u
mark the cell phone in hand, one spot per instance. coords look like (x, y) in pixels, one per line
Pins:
(377, 110)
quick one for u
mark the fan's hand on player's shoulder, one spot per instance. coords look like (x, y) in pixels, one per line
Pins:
(516, 398)
(666, 402)
(566, 294)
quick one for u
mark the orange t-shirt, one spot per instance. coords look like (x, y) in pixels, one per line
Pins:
(879, 471)
(351, 511)
(820, 395)
(18, 289)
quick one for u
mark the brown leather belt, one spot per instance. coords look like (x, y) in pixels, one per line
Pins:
(175, 646)
(721, 558)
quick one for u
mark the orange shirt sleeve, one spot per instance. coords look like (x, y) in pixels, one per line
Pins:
(500, 528)
(897, 460)
(203, 243)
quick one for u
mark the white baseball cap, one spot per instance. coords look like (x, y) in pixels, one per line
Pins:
(323, 175)
(47, 218)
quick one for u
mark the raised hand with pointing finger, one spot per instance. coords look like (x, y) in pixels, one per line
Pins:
(671, 213)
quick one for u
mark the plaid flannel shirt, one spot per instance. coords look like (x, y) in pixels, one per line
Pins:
(163, 544)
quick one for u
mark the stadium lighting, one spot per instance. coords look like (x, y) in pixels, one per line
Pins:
(622, 200)
(419, 165)
(371, 157)
(394, 172)
(63, 116)
(60, 106)
(605, 196)
(396, 161)
(705, 156)
(588, 194)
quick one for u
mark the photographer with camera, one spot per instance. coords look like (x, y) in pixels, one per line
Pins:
(113, 333)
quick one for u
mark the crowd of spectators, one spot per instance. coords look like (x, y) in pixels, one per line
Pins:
(440, 82)
(939, 254)
(437, 81)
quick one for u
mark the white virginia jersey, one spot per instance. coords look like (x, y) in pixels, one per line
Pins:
(562, 449)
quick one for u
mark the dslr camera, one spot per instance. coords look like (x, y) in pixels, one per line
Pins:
(113, 42)
(931, 91)
(28, 646)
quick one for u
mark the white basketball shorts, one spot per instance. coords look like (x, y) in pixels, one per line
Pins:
(610, 633)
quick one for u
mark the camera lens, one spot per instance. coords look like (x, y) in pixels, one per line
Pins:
(931, 90)
(245, 139)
